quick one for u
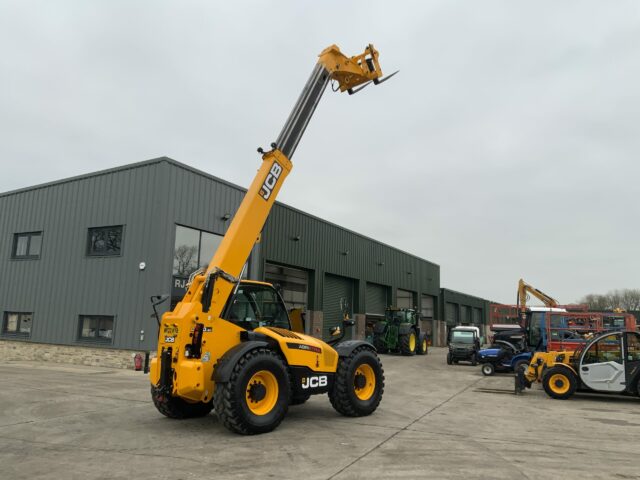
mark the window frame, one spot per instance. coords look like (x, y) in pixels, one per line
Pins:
(88, 253)
(17, 334)
(96, 340)
(29, 235)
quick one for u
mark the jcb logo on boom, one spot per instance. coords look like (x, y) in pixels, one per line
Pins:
(315, 382)
(271, 180)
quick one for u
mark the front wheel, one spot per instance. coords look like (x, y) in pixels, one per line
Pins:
(488, 369)
(359, 384)
(449, 358)
(559, 382)
(474, 360)
(422, 348)
(408, 343)
(256, 397)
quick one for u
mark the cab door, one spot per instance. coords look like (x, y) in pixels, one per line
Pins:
(602, 367)
(632, 357)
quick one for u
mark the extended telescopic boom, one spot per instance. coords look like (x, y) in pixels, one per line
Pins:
(349, 73)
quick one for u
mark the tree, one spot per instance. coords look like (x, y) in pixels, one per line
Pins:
(627, 299)
(185, 260)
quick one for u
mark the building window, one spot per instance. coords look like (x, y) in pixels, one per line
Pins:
(193, 249)
(27, 245)
(96, 328)
(104, 241)
(18, 324)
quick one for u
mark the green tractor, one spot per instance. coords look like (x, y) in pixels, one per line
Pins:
(399, 332)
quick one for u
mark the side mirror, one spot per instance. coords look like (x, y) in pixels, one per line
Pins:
(335, 331)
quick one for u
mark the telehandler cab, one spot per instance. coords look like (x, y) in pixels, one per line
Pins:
(228, 344)
(610, 362)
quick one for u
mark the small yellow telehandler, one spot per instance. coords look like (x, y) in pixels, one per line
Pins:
(228, 344)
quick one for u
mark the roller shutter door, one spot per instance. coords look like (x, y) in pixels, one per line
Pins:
(337, 297)
(376, 299)
(477, 316)
(405, 299)
(465, 314)
(293, 283)
(451, 313)
(428, 307)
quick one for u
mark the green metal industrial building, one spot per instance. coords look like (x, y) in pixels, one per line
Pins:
(80, 258)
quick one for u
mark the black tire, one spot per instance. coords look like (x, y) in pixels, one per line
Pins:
(449, 358)
(488, 369)
(343, 395)
(231, 398)
(176, 407)
(405, 343)
(422, 348)
(379, 344)
(474, 360)
(559, 383)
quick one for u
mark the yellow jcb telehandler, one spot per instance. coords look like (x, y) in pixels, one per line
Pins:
(228, 344)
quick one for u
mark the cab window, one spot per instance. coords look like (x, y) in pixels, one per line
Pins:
(257, 306)
(535, 323)
(607, 349)
(633, 346)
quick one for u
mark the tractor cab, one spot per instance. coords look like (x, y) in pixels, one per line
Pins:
(402, 315)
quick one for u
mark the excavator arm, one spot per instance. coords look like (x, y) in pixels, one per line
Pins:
(524, 288)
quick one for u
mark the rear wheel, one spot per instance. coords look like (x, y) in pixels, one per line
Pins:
(176, 407)
(559, 382)
(256, 397)
(422, 347)
(408, 343)
(359, 383)
(488, 369)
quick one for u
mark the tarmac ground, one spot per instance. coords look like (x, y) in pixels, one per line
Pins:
(435, 421)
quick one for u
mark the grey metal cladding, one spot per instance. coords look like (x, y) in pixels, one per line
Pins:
(148, 199)
(323, 247)
(64, 282)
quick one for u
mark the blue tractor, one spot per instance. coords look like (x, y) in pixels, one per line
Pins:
(508, 353)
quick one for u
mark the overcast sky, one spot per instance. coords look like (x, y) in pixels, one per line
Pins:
(507, 146)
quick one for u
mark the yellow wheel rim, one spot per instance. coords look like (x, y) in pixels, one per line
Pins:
(364, 382)
(559, 383)
(262, 392)
(424, 345)
(412, 342)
